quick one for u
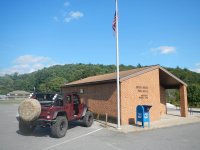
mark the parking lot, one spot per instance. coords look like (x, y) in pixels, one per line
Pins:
(95, 137)
(11, 138)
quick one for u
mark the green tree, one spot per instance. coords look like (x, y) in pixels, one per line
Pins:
(52, 86)
(56, 83)
(6, 84)
(173, 96)
(194, 95)
(50, 79)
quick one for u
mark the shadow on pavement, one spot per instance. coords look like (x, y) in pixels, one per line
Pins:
(46, 131)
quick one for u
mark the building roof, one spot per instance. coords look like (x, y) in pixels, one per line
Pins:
(166, 78)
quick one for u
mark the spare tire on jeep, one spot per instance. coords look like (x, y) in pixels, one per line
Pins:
(29, 110)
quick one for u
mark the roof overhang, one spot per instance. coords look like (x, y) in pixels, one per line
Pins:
(168, 80)
(89, 83)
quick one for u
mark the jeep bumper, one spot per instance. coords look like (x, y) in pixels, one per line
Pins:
(40, 122)
(44, 122)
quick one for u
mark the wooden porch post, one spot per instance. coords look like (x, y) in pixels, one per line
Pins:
(183, 101)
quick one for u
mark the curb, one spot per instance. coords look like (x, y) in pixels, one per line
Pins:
(165, 123)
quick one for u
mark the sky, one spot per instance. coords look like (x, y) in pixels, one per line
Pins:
(40, 33)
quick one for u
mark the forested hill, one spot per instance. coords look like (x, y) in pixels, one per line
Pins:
(50, 79)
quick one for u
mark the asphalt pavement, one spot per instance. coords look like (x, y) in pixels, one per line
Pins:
(182, 137)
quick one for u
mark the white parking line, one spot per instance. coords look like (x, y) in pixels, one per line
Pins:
(67, 141)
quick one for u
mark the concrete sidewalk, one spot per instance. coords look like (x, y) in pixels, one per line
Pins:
(171, 119)
(174, 121)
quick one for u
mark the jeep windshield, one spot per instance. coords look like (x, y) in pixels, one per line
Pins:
(45, 99)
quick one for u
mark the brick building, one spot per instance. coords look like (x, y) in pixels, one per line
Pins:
(141, 86)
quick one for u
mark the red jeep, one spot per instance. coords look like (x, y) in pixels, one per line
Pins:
(56, 111)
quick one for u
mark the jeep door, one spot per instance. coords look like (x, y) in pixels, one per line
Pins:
(69, 107)
(78, 106)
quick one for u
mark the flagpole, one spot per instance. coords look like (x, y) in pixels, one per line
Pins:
(117, 64)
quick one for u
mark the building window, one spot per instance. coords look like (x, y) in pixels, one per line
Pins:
(81, 91)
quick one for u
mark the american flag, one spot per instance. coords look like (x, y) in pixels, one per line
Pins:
(114, 22)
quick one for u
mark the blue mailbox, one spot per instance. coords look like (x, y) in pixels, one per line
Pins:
(142, 114)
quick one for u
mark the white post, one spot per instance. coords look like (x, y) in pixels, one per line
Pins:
(117, 63)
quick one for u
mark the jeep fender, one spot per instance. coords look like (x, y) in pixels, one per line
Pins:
(59, 113)
(84, 110)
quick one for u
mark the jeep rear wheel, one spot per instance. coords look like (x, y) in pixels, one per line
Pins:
(26, 128)
(59, 128)
(88, 119)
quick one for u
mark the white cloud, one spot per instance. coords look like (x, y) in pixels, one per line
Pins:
(67, 19)
(30, 59)
(164, 49)
(27, 64)
(76, 14)
(66, 15)
(66, 4)
(73, 15)
(198, 64)
(197, 69)
(55, 18)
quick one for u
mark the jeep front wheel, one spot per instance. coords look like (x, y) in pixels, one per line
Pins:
(26, 128)
(88, 119)
(59, 128)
